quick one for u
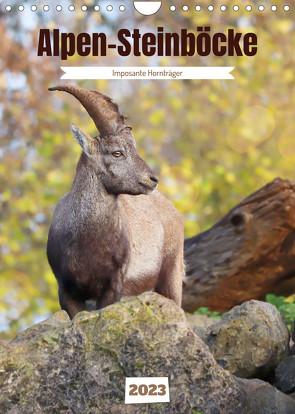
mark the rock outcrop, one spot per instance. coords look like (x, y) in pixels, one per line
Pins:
(285, 375)
(79, 366)
(250, 340)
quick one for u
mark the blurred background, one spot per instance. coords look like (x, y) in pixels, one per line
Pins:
(212, 142)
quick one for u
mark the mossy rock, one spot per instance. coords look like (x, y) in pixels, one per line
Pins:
(80, 366)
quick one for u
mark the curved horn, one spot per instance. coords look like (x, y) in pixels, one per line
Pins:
(104, 112)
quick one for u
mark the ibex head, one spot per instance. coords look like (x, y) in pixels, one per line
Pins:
(112, 155)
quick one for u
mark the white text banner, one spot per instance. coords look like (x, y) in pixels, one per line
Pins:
(143, 72)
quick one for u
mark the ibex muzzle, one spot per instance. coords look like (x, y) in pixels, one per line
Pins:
(112, 234)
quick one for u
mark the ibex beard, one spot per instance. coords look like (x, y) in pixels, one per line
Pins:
(113, 234)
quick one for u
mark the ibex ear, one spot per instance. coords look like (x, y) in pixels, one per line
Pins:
(84, 140)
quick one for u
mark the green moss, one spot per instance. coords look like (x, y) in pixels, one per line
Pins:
(50, 340)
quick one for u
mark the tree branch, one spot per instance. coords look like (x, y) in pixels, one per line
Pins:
(246, 253)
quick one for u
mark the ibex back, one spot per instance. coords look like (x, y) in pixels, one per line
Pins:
(113, 234)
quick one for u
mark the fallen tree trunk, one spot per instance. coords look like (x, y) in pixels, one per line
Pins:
(246, 254)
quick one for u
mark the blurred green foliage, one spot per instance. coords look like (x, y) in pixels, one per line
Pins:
(212, 142)
(286, 305)
(203, 310)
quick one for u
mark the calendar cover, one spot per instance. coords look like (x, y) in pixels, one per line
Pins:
(147, 231)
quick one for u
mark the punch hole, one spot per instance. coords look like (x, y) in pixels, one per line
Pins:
(274, 8)
(223, 8)
(122, 8)
(58, 8)
(185, 8)
(21, 8)
(71, 8)
(286, 8)
(109, 8)
(210, 8)
(84, 8)
(8, 8)
(198, 8)
(248, 8)
(96, 8)
(236, 8)
(46, 8)
(33, 8)
(261, 8)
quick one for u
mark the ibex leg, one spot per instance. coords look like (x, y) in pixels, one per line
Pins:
(170, 279)
(71, 305)
(112, 293)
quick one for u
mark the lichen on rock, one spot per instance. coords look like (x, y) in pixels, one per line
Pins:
(79, 366)
(250, 340)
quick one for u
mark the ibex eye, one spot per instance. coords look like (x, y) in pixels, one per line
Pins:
(117, 154)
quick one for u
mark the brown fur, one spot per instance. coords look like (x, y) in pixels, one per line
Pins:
(112, 234)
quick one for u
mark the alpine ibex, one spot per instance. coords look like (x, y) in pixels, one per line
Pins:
(113, 234)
